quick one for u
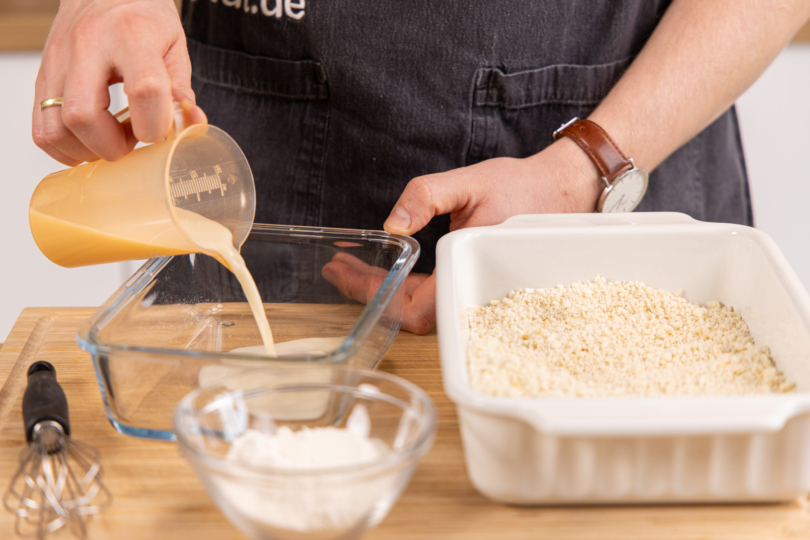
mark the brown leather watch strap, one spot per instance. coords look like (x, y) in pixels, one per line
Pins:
(598, 145)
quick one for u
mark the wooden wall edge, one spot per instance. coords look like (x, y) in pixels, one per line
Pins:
(27, 32)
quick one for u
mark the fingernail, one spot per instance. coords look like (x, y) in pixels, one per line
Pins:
(328, 275)
(398, 221)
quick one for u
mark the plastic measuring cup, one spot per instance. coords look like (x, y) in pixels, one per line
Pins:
(103, 211)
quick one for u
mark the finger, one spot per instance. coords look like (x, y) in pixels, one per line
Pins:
(356, 285)
(85, 108)
(54, 153)
(62, 137)
(47, 128)
(425, 197)
(419, 315)
(38, 134)
(149, 91)
(178, 66)
(345, 280)
(413, 281)
(358, 265)
(192, 113)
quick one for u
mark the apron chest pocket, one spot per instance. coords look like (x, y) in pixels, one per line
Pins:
(514, 114)
(278, 112)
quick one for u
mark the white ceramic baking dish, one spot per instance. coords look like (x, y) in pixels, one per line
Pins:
(631, 449)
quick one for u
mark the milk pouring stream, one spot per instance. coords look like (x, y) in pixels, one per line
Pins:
(190, 193)
(214, 239)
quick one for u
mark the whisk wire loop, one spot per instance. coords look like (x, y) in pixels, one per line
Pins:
(58, 484)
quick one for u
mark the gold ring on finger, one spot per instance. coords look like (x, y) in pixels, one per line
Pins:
(50, 102)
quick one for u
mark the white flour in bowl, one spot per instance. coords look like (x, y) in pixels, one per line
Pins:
(308, 448)
(309, 506)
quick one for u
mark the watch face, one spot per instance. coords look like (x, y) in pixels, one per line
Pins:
(625, 193)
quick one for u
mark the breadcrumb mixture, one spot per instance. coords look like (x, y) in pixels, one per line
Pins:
(600, 338)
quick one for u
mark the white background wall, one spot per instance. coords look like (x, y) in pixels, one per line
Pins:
(774, 113)
(27, 278)
(775, 121)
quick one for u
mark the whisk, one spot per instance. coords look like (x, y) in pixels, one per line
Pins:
(58, 483)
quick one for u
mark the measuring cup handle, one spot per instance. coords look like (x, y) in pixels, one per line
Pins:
(179, 125)
(123, 116)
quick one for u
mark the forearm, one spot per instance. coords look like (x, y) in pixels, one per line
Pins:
(700, 58)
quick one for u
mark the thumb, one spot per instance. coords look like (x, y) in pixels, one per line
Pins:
(425, 197)
(178, 66)
(192, 113)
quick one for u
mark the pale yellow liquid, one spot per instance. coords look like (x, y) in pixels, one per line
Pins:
(306, 406)
(56, 238)
(318, 346)
(314, 346)
(216, 240)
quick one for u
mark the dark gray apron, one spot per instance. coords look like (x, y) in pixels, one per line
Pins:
(339, 104)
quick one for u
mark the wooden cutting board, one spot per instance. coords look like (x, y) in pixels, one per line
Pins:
(157, 496)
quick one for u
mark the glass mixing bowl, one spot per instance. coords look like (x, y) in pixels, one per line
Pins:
(305, 503)
(167, 330)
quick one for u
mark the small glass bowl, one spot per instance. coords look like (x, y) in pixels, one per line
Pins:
(307, 503)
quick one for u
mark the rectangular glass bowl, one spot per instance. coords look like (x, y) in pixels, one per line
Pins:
(167, 330)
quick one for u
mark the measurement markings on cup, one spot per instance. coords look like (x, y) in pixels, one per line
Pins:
(198, 184)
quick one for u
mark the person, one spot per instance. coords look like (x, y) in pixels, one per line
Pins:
(423, 116)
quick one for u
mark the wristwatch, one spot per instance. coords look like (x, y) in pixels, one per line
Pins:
(625, 184)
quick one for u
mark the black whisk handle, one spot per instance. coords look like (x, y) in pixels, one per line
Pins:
(44, 399)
